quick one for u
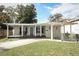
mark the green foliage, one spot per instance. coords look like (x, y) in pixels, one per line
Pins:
(77, 36)
(27, 14)
(6, 39)
(67, 35)
(2, 8)
(73, 36)
(11, 12)
(21, 13)
(4, 17)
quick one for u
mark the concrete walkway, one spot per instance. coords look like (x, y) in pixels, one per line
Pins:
(12, 44)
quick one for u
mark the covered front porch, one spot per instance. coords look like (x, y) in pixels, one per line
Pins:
(43, 30)
(26, 30)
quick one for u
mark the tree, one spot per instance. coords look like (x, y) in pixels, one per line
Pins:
(1, 8)
(27, 14)
(55, 18)
(22, 14)
(11, 12)
(4, 17)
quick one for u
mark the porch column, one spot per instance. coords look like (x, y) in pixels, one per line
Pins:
(22, 30)
(7, 31)
(63, 34)
(35, 30)
(40, 30)
(13, 31)
(51, 31)
(70, 31)
(29, 30)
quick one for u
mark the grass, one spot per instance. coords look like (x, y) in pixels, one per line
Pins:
(44, 48)
(6, 39)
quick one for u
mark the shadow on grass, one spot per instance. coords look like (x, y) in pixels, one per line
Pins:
(3, 49)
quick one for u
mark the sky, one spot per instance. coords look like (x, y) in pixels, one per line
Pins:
(44, 10)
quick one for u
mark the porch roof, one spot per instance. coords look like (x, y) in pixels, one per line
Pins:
(65, 22)
(31, 24)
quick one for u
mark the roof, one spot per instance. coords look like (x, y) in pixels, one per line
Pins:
(65, 22)
(25, 24)
(70, 21)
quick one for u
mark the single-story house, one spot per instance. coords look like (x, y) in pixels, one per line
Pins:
(49, 30)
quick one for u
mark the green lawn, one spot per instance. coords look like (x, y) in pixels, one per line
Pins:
(6, 39)
(45, 48)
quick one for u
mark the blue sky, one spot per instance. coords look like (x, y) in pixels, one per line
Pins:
(42, 12)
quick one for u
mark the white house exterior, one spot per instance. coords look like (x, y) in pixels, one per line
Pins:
(49, 30)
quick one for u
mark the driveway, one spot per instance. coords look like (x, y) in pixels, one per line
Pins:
(12, 44)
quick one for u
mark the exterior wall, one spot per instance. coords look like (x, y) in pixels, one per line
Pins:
(57, 32)
(48, 31)
(29, 28)
(31, 31)
(16, 30)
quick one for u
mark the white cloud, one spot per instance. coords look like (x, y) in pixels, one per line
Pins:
(68, 10)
